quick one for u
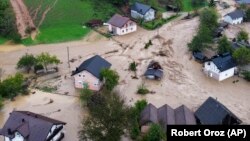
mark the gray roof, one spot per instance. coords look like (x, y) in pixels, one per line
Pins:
(149, 115)
(236, 14)
(213, 112)
(155, 69)
(224, 61)
(93, 65)
(118, 20)
(33, 127)
(183, 115)
(243, 1)
(141, 8)
(166, 115)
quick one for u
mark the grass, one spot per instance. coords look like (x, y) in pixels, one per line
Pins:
(2, 40)
(158, 22)
(187, 6)
(48, 89)
(142, 90)
(64, 21)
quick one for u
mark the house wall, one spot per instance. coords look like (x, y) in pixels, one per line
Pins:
(211, 70)
(127, 28)
(85, 78)
(18, 137)
(149, 16)
(54, 127)
(228, 19)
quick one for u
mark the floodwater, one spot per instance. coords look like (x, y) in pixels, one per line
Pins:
(60, 107)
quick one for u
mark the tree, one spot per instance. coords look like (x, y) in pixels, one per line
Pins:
(224, 46)
(155, 133)
(242, 56)
(209, 18)
(178, 4)
(211, 3)
(246, 75)
(248, 15)
(196, 44)
(12, 86)
(110, 78)
(197, 3)
(107, 120)
(26, 62)
(242, 36)
(132, 66)
(46, 59)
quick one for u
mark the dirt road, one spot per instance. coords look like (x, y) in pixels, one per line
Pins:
(23, 18)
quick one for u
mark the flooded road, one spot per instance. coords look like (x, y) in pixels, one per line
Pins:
(60, 107)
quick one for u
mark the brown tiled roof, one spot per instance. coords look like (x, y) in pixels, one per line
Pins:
(118, 20)
(33, 127)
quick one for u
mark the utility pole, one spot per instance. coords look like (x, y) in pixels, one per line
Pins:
(68, 56)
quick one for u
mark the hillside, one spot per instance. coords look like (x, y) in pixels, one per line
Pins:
(62, 20)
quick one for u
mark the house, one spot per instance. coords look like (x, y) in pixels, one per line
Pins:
(166, 115)
(28, 126)
(120, 25)
(199, 57)
(154, 71)
(235, 17)
(88, 73)
(212, 112)
(239, 2)
(142, 11)
(220, 67)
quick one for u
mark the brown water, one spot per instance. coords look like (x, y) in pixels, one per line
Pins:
(62, 108)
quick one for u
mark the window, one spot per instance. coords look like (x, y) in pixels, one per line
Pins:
(122, 31)
(79, 75)
(80, 82)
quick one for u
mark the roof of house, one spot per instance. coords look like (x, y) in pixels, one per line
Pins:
(236, 14)
(243, 1)
(149, 114)
(183, 115)
(166, 115)
(93, 65)
(224, 62)
(155, 69)
(141, 8)
(199, 56)
(118, 20)
(33, 127)
(213, 112)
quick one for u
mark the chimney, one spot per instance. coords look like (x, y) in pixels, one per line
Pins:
(23, 120)
(9, 131)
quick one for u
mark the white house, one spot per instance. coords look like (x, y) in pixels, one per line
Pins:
(142, 11)
(220, 67)
(235, 17)
(87, 75)
(120, 25)
(28, 126)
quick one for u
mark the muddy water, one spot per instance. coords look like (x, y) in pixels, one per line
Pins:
(60, 107)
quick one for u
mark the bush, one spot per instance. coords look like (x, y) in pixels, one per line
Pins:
(48, 89)
(85, 94)
(110, 78)
(132, 66)
(242, 56)
(155, 133)
(242, 36)
(246, 75)
(26, 62)
(142, 90)
(1, 102)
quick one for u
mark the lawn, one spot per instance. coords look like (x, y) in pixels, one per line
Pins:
(2, 40)
(64, 22)
(187, 6)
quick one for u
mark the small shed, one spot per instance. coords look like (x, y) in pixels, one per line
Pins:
(199, 57)
(212, 112)
(154, 71)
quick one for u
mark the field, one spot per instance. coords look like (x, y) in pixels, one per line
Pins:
(187, 6)
(2, 40)
(64, 18)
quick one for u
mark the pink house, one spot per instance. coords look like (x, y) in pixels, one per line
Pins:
(88, 73)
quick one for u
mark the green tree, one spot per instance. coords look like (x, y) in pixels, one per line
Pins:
(242, 56)
(246, 75)
(1, 102)
(46, 59)
(248, 14)
(110, 78)
(26, 62)
(224, 46)
(196, 44)
(211, 3)
(243, 6)
(107, 120)
(242, 36)
(12, 86)
(197, 3)
(132, 66)
(209, 18)
(85, 94)
(178, 4)
(155, 133)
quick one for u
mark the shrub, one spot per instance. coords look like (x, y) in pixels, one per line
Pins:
(110, 78)
(1, 102)
(242, 56)
(132, 66)
(242, 36)
(26, 62)
(155, 133)
(142, 90)
(85, 94)
(246, 75)
(48, 89)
